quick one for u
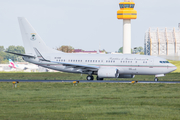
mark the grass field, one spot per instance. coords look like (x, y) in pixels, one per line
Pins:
(69, 76)
(92, 101)
(177, 64)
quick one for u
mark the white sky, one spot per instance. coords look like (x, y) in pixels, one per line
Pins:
(84, 24)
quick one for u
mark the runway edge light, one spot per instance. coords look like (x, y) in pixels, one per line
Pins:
(15, 83)
(127, 13)
(75, 83)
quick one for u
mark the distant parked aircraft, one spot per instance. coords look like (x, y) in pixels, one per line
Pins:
(102, 65)
(21, 67)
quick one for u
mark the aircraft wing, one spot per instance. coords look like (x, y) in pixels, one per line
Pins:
(78, 66)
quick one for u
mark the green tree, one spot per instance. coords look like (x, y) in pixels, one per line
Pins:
(2, 54)
(120, 50)
(103, 51)
(2, 48)
(66, 49)
(140, 49)
(1, 59)
(16, 49)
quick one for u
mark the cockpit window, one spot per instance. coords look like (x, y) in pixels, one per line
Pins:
(164, 61)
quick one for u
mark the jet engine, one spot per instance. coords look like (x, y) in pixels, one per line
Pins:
(108, 73)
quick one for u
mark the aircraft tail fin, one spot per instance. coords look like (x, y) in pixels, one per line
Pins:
(12, 64)
(31, 39)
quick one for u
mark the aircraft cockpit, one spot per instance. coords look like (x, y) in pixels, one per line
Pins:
(164, 61)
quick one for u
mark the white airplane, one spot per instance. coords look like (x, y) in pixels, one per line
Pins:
(21, 66)
(102, 65)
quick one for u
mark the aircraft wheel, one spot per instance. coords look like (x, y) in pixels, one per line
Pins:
(90, 77)
(156, 79)
(97, 78)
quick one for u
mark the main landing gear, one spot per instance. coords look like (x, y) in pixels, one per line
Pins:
(156, 79)
(97, 78)
(90, 77)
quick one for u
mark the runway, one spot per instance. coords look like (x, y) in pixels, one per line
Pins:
(94, 81)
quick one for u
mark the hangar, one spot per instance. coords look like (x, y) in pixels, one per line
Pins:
(162, 41)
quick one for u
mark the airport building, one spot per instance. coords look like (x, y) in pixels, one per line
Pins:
(162, 42)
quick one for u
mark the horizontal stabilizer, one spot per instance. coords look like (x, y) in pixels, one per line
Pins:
(21, 54)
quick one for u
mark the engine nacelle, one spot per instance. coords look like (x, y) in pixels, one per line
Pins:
(108, 73)
(126, 76)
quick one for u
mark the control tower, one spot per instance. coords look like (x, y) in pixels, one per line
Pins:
(127, 13)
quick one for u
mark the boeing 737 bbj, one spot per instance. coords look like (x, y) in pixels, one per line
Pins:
(102, 65)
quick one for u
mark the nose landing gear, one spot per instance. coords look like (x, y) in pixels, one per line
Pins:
(156, 79)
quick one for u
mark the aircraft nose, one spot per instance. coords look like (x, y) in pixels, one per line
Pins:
(173, 67)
